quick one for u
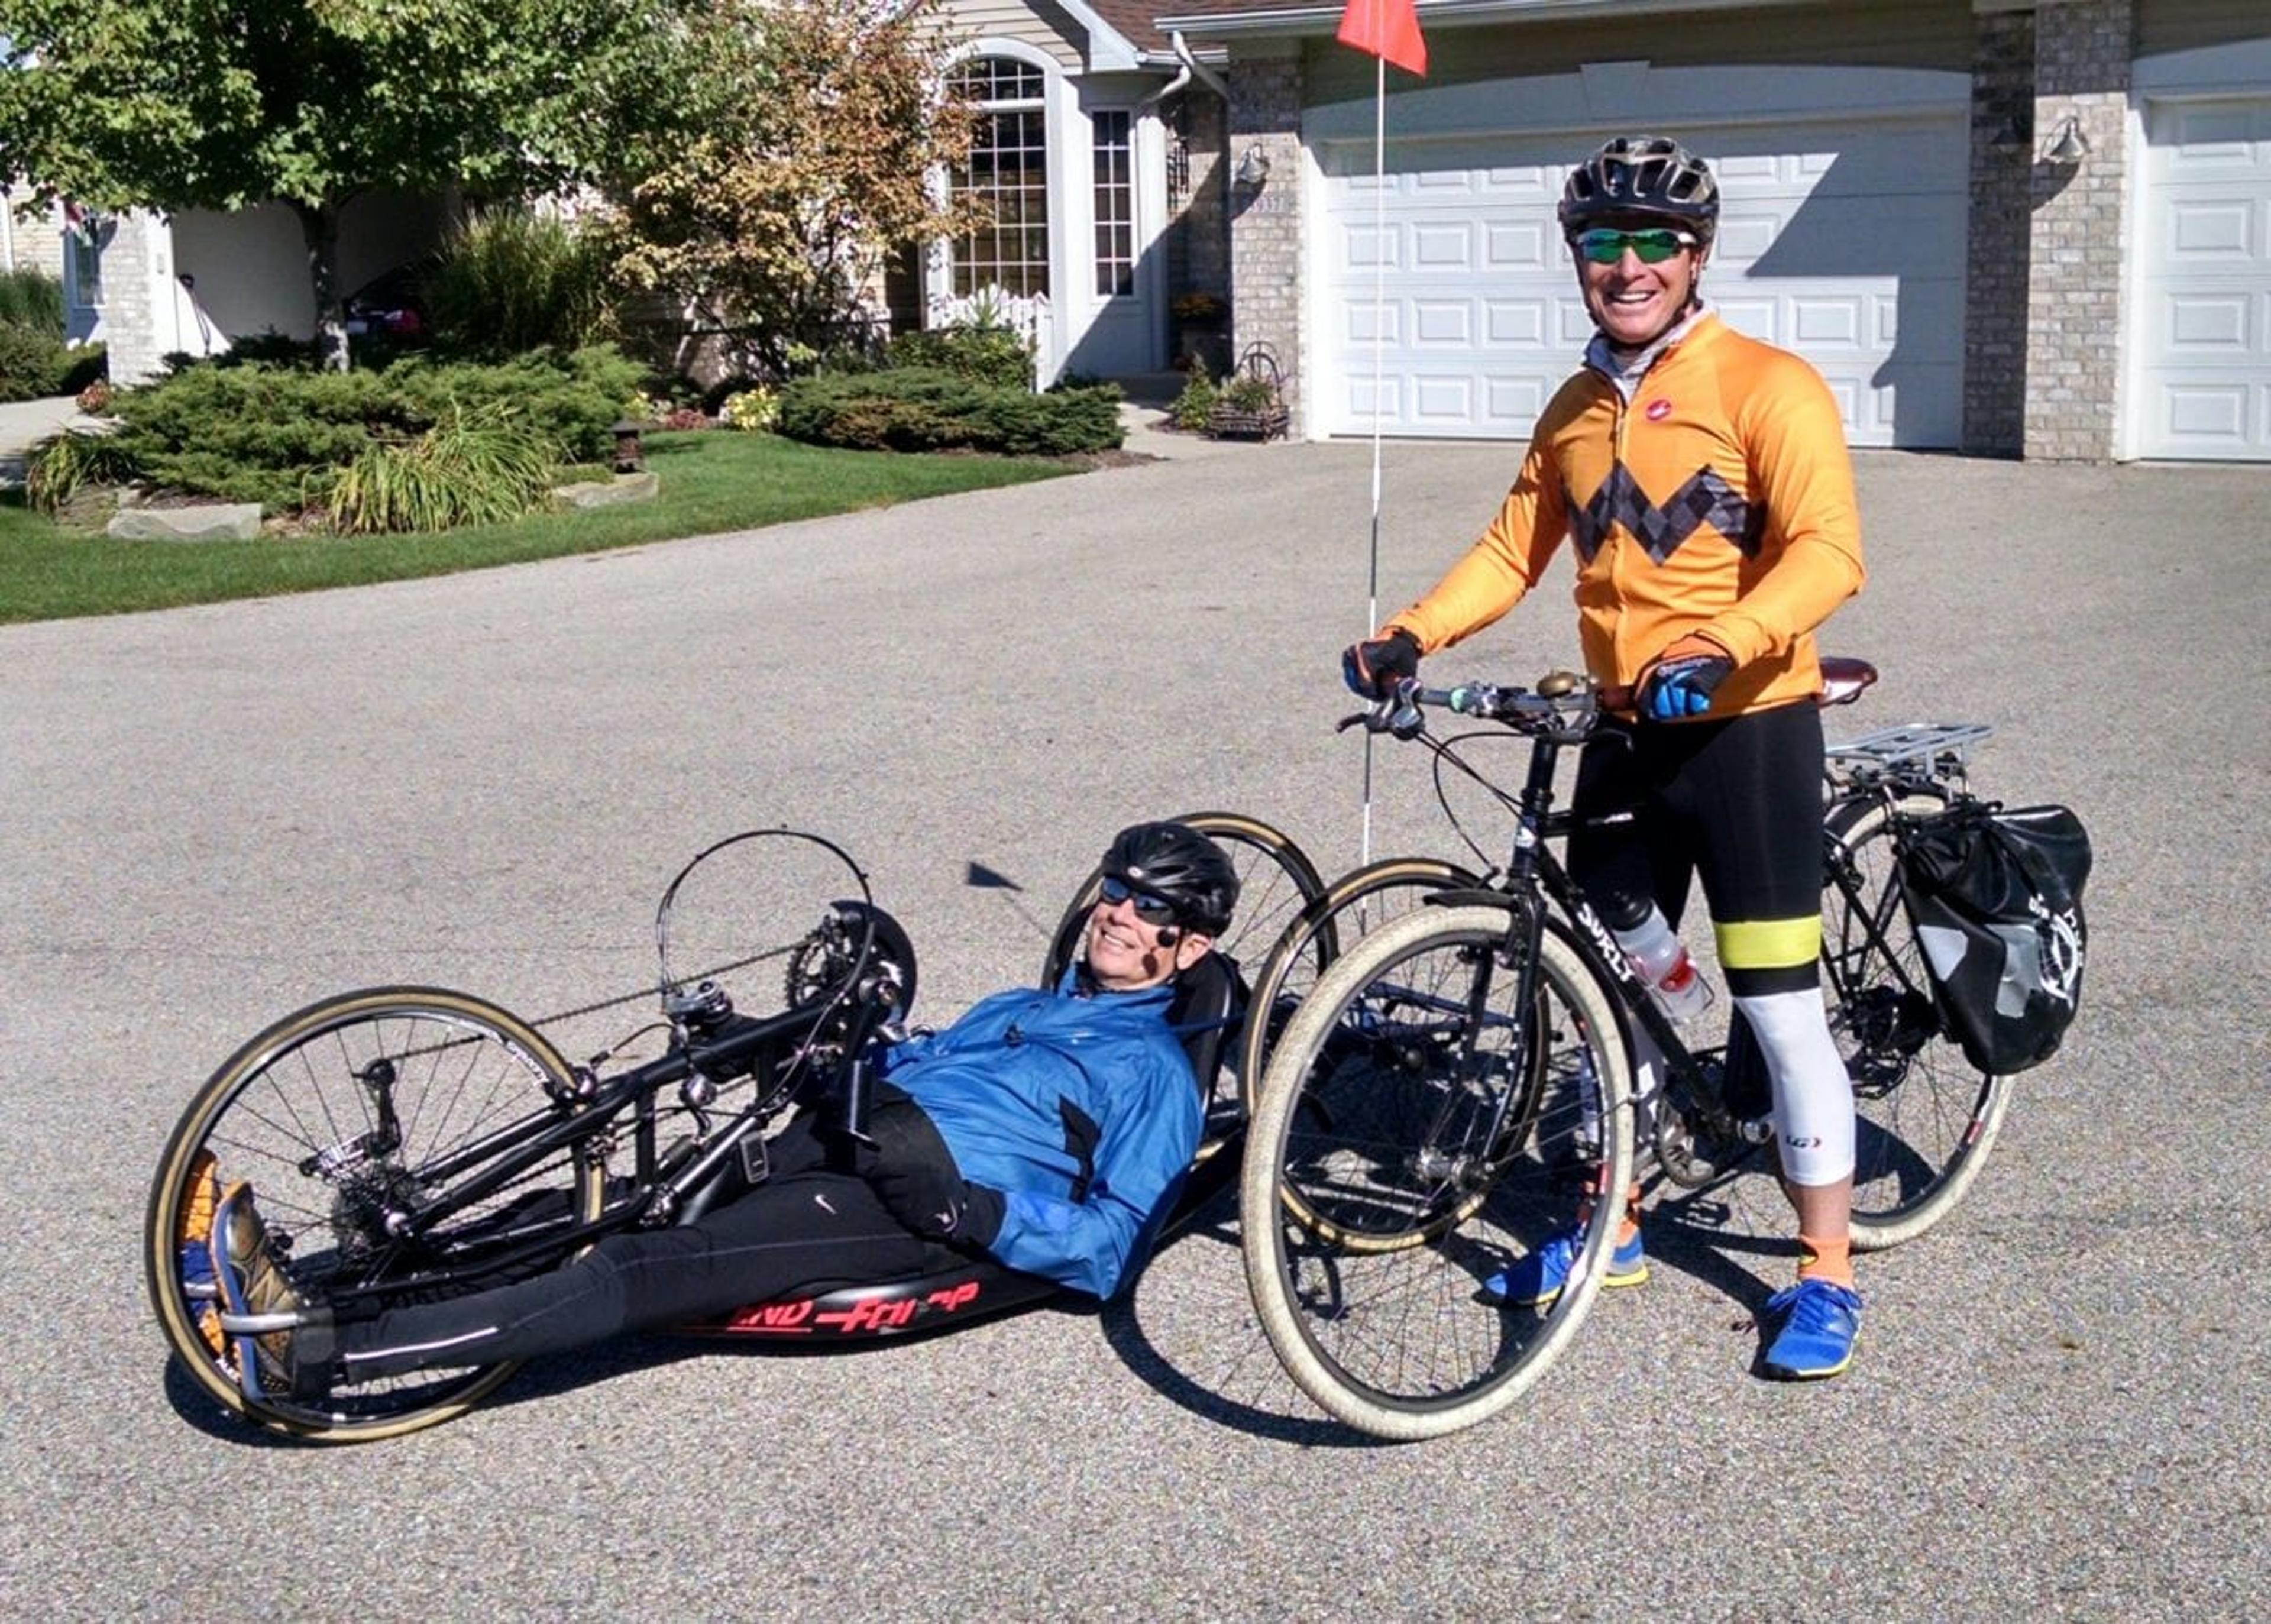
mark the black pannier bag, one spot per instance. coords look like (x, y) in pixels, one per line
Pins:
(1996, 898)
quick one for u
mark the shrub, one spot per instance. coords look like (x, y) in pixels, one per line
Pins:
(280, 435)
(471, 468)
(35, 362)
(509, 281)
(985, 354)
(62, 465)
(1189, 409)
(95, 399)
(751, 410)
(85, 366)
(29, 297)
(913, 408)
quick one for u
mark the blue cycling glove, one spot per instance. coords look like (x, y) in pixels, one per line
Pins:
(1373, 669)
(1682, 682)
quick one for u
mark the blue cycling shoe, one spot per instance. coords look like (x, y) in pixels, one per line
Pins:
(1536, 1279)
(1821, 1320)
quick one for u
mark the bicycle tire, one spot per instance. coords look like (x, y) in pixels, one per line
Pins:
(1927, 1118)
(1277, 883)
(290, 1096)
(1399, 1342)
(1353, 905)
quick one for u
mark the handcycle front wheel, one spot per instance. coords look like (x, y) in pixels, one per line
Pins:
(1354, 905)
(356, 1105)
(1925, 1117)
(1389, 1109)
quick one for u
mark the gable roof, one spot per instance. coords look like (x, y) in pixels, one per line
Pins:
(1138, 20)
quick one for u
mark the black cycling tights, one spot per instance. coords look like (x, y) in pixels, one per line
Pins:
(1738, 803)
(806, 1227)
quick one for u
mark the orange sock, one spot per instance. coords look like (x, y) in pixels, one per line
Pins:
(1826, 1259)
(1627, 1229)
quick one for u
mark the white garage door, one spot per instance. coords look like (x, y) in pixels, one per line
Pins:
(2203, 335)
(1842, 242)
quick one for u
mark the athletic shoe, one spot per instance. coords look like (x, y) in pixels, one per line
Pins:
(252, 1281)
(193, 1248)
(1536, 1279)
(1821, 1320)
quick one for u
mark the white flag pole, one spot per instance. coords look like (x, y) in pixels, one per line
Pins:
(1379, 323)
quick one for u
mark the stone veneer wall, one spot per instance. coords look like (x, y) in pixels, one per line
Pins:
(2080, 232)
(1200, 229)
(1996, 285)
(1266, 296)
(139, 249)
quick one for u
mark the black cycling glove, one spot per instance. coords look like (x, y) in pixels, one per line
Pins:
(1373, 669)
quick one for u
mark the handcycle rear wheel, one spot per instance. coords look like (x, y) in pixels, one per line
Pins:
(350, 1106)
(1926, 1117)
(1276, 886)
(1376, 1120)
(1355, 903)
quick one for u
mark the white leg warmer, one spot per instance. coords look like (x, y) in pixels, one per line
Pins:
(1813, 1096)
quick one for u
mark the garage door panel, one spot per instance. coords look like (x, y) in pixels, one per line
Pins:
(2202, 311)
(1807, 258)
(2218, 232)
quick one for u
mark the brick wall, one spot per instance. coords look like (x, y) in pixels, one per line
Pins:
(1204, 265)
(2079, 239)
(1266, 294)
(2002, 203)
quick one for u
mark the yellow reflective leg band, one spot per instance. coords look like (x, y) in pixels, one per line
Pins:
(1769, 944)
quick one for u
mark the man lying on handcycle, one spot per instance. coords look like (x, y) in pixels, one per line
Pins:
(1045, 1130)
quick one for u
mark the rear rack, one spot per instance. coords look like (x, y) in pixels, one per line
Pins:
(1941, 748)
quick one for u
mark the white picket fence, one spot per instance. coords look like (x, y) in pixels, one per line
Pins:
(1027, 313)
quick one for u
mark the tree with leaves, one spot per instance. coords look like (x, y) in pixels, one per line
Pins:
(822, 130)
(223, 104)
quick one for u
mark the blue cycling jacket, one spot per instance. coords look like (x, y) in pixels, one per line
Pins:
(1079, 1107)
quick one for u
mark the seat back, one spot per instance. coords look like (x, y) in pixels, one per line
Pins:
(1209, 1003)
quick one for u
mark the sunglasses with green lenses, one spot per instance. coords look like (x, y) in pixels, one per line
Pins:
(1604, 245)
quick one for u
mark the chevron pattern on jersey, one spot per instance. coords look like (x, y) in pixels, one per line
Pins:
(1705, 499)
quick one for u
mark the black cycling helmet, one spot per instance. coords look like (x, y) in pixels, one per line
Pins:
(1175, 862)
(1638, 178)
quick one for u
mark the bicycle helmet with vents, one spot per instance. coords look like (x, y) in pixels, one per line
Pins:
(1177, 863)
(1642, 178)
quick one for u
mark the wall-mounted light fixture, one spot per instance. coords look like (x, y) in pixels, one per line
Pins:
(2015, 134)
(1252, 167)
(2072, 144)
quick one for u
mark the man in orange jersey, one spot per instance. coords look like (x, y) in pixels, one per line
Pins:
(1704, 479)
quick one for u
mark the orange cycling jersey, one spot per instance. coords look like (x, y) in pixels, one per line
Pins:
(1716, 502)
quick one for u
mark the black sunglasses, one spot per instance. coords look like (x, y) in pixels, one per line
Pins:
(1149, 907)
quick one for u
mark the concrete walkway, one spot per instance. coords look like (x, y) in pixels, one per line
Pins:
(23, 423)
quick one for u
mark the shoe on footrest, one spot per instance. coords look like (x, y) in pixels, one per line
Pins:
(252, 1280)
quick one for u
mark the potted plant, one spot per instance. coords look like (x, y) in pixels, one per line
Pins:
(1199, 321)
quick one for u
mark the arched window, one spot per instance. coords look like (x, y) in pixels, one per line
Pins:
(1009, 171)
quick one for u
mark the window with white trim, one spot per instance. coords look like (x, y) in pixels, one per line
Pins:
(83, 259)
(1115, 205)
(1008, 170)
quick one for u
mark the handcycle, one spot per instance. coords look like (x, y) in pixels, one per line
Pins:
(1456, 1083)
(410, 1143)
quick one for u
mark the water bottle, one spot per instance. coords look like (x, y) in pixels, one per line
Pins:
(1663, 965)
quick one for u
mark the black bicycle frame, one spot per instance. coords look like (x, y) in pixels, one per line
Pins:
(740, 1045)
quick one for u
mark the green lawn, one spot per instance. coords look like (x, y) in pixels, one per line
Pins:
(711, 481)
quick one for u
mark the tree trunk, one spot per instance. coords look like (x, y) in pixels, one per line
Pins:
(319, 227)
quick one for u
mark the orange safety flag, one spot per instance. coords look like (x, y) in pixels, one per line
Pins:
(1386, 28)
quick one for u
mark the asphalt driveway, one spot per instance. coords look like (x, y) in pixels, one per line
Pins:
(211, 815)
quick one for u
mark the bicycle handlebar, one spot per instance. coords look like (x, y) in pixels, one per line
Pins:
(1562, 702)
